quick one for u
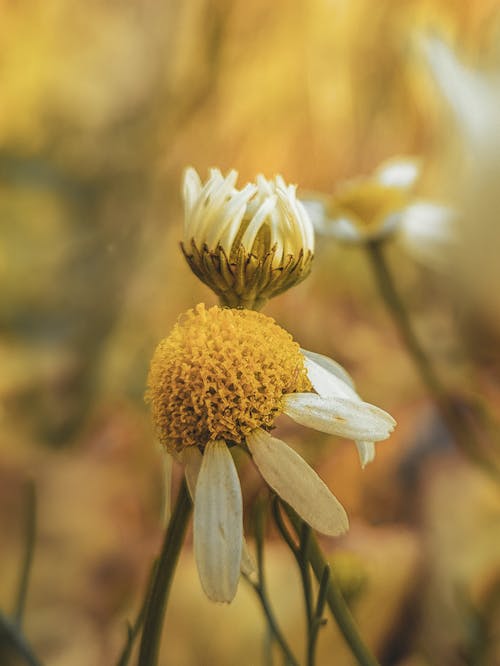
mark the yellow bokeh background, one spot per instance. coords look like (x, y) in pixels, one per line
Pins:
(102, 106)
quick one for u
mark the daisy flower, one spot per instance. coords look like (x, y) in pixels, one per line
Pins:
(382, 205)
(220, 380)
(246, 244)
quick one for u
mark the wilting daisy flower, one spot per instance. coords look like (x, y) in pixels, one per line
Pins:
(246, 244)
(382, 205)
(220, 379)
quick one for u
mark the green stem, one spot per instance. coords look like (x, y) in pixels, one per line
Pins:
(29, 540)
(400, 317)
(334, 598)
(456, 421)
(300, 555)
(260, 586)
(134, 629)
(317, 619)
(14, 643)
(260, 590)
(160, 588)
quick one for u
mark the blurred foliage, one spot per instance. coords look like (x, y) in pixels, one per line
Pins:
(102, 105)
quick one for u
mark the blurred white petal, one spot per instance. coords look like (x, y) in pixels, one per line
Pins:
(218, 527)
(474, 97)
(352, 419)
(297, 483)
(398, 172)
(366, 452)
(428, 230)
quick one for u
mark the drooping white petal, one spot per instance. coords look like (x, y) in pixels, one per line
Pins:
(366, 452)
(330, 379)
(353, 419)
(218, 527)
(327, 383)
(398, 172)
(192, 459)
(332, 366)
(297, 483)
(247, 563)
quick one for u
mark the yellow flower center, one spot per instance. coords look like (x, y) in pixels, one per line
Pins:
(220, 374)
(369, 203)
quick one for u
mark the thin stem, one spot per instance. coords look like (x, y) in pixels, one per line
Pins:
(260, 586)
(160, 588)
(334, 598)
(317, 620)
(300, 555)
(399, 314)
(134, 629)
(454, 418)
(13, 642)
(29, 546)
(261, 591)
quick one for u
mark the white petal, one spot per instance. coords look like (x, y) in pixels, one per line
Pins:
(218, 527)
(366, 452)
(192, 459)
(328, 384)
(400, 172)
(247, 564)
(297, 483)
(427, 230)
(332, 366)
(353, 419)
(191, 189)
(471, 94)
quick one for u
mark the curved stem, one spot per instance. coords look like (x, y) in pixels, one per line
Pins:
(260, 586)
(134, 629)
(300, 554)
(456, 421)
(30, 529)
(261, 591)
(317, 619)
(160, 587)
(14, 643)
(334, 597)
(400, 317)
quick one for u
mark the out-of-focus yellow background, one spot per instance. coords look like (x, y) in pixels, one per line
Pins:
(102, 105)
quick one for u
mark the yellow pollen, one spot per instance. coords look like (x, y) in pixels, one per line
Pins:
(220, 374)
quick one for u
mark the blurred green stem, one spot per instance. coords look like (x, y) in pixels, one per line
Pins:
(29, 546)
(330, 590)
(162, 578)
(454, 418)
(12, 642)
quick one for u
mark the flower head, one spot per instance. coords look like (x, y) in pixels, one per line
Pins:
(368, 207)
(246, 244)
(220, 379)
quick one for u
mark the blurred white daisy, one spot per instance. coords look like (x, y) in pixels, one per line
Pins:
(220, 379)
(382, 205)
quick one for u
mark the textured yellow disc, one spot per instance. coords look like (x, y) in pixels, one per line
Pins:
(220, 374)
